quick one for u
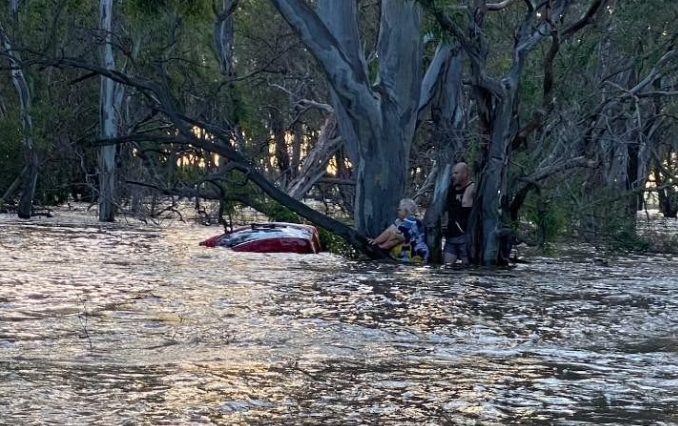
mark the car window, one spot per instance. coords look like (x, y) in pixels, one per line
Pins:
(239, 237)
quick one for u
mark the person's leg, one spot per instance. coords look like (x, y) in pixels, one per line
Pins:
(458, 250)
(386, 235)
(463, 251)
(449, 252)
(391, 242)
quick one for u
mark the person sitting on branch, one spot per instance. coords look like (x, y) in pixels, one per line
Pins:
(406, 237)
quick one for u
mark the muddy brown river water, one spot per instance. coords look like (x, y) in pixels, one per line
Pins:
(137, 325)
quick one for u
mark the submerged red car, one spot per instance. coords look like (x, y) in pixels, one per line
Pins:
(269, 237)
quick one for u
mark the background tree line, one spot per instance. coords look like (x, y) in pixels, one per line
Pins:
(564, 110)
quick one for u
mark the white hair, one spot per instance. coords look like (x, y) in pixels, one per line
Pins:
(408, 205)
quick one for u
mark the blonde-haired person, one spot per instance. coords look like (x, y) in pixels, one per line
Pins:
(406, 237)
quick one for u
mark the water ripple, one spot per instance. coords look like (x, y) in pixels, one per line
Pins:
(129, 324)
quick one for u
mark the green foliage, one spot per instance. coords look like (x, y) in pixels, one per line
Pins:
(660, 242)
(336, 245)
(50, 191)
(624, 238)
(607, 222)
(548, 217)
(279, 213)
(187, 173)
(190, 9)
(10, 151)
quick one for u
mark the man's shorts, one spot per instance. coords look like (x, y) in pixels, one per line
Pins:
(457, 246)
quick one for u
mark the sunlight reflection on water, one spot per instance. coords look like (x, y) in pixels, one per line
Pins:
(133, 324)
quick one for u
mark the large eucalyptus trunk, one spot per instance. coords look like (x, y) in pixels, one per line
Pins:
(223, 36)
(109, 120)
(497, 103)
(30, 172)
(377, 121)
(442, 91)
(490, 221)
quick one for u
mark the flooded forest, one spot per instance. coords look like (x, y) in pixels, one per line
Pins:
(132, 130)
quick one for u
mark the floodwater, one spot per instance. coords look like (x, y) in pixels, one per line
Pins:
(137, 325)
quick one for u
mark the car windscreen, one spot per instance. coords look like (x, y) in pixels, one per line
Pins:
(239, 237)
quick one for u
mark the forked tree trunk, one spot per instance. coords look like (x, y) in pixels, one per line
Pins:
(223, 36)
(497, 101)
(30, 172)
(376, 121)
(442, 90)
(109, 120)
(314, 165)
(489, 222)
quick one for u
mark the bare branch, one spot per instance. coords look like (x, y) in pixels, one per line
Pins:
(586, 19)
(306, 103)
(571, 163)
(501, 5)
(473, 50)
(547, 93)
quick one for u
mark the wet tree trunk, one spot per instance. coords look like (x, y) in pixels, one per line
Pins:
(497, 101)
(297, 142)
(491, 213)
(282, 155)
(442, 92)
(377, 121)
(315, 164)
(223, 36)
(30, 172)
(109, 121)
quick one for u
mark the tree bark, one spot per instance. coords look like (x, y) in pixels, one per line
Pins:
(223, 36)
(377, 123)
(314, 166)
(281, 154)
(109, 120)
(30, 172)
(497, 101)
(444, 96)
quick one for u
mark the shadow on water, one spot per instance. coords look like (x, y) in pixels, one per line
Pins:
(131, 325)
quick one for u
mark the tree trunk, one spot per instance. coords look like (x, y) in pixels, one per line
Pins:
(109, 121)
(497, 101)
(297, 142)
(315, 164)
(663, 178)
(30, 172)
(491, 213)
(281, 155)
(377, 122)
(447, 113)
(223, 37)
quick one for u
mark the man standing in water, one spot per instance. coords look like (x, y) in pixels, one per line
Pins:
(459, 203)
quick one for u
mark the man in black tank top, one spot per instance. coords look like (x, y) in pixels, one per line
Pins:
(459, 203)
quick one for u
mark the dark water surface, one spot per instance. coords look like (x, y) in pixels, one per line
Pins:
(137, 325)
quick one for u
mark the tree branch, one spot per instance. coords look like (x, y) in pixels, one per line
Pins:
(501, 5)
(586, 19)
